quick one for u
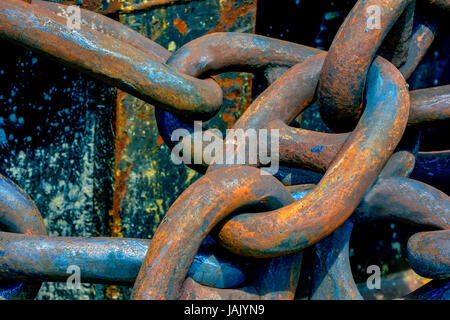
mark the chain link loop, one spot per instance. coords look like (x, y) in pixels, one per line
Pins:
(360, 95)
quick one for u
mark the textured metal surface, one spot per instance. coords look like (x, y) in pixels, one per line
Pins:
(121, 64)
(28, 257)
(307, 221)
(250, 214)
(344, 73)
(19, 214)
(143, 169)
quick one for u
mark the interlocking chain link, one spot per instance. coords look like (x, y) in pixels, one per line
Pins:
(362, 96)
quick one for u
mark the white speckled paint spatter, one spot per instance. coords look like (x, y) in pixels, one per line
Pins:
(57, 145)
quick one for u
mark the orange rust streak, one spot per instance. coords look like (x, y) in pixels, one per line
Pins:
(241, 101)
(229, 13)
(120, 177)
(180, 25)
(159, 140)
(145, 5)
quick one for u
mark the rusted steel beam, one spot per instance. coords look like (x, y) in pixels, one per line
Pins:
(113, 61)
(121, 6)
(128, 6)
(143, 168)
(141, 152)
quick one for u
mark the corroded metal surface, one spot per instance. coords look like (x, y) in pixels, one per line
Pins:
(343, 77)
(29, 257)
(314, 222)
(242, 206)
(428, 254)
(19, 214)
(193, 223)
(113, 61)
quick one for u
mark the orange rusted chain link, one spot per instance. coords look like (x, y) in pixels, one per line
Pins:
(292, 227)
(342, 79)
(277, 280)
(110, 27)
(361, 158)
(116, 62)
(363, 178)
(315, 150)
(246, 52)
(189, 220)
(394, 196)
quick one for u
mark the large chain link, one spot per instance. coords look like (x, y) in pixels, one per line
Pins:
(361, 92)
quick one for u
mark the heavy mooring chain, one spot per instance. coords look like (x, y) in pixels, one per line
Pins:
(361, 93)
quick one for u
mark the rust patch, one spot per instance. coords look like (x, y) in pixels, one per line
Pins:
(120, 6)
(120, 177)
(234, 90)
(112, 292)
(180, 25)
(229, 13)
(159, 140)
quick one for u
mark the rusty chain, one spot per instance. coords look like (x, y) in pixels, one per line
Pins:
(360, 88)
